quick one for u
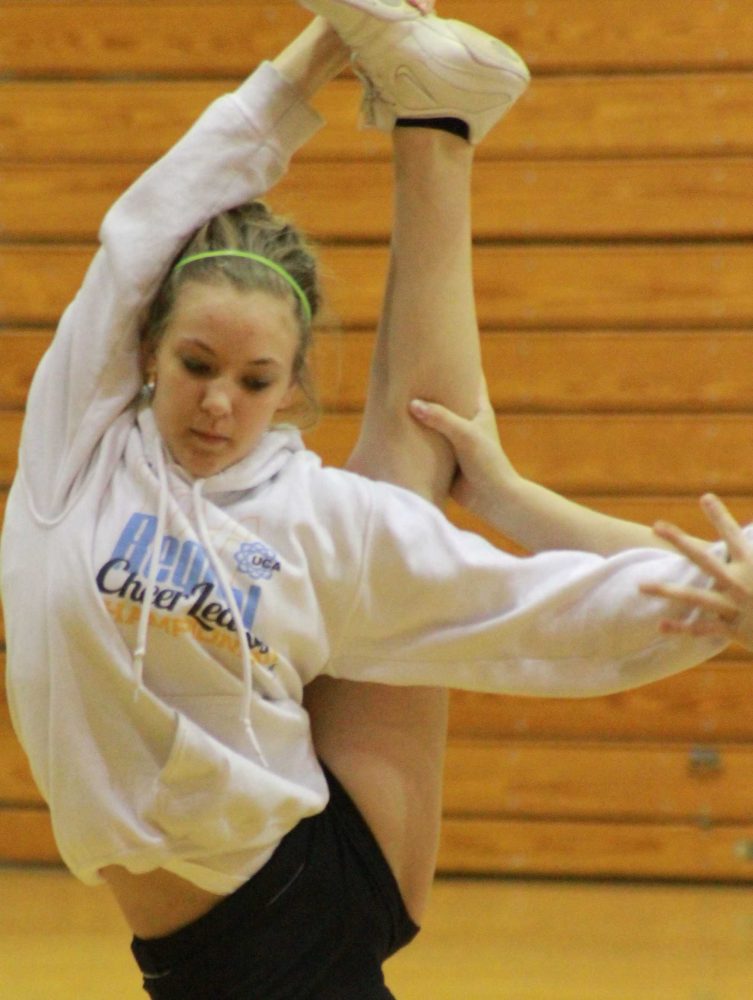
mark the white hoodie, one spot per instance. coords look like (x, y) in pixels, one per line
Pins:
(178, 746)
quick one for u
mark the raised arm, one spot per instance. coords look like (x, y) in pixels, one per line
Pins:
(92, 372)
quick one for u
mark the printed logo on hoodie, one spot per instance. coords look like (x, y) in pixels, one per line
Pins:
(257, 561)
(185, 584)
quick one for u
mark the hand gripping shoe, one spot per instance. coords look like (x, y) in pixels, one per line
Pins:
(417, 65)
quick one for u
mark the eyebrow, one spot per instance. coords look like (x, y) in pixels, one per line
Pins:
(252, 363)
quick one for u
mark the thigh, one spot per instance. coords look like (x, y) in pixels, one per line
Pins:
(386, 745)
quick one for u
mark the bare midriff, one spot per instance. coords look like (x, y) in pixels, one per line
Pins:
(157, 903)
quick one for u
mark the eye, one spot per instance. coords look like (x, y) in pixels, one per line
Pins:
(255, 384)
(195, 366)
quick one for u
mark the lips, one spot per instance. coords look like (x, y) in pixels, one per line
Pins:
(210, 439)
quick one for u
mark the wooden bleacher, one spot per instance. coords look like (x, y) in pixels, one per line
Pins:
(613, 273)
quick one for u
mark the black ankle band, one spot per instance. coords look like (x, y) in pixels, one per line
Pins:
(455, 126)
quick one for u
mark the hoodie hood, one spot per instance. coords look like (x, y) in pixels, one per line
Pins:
(259, 467)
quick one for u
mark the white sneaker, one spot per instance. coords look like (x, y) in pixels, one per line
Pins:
(417, 65)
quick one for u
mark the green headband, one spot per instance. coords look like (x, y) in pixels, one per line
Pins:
(271, 264)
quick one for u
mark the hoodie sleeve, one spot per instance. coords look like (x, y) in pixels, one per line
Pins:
(439, 606)
(235, 152)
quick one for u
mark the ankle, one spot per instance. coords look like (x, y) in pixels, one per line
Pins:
(421, 150)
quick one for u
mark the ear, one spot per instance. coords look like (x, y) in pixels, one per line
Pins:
(148, 361)
(289, 398)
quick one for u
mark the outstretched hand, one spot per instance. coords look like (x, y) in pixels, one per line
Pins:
(727, 608)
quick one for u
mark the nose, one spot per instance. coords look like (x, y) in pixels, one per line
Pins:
(217, 399)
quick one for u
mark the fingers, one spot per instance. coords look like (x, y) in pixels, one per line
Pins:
(726, 526)
(726, 610)
(695, 550)
(734, 575)
(704, 600)
(439, 418)
(700, 629)
(719, 618)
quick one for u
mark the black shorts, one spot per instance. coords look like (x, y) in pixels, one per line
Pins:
(315, 923)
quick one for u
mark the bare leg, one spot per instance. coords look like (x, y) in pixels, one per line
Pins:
(427, 343)
(387, 744)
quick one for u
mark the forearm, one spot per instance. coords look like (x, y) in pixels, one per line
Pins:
(314, 58)
(540, 519)
(526, 512)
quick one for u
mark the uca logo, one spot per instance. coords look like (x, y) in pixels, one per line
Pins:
(257, 561)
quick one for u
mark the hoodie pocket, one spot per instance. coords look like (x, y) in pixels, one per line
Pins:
(209, 795)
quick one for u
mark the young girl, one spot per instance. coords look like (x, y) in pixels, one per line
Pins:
(191, 567)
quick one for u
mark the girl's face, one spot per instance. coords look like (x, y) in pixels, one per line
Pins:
(222, 370)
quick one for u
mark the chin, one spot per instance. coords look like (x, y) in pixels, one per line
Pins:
(202, 466)
(211, 467)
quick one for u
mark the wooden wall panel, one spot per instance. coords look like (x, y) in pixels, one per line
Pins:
(641, 783)
(26, 836)
(613, 279)
(141, 37)
(712, 704)
(583, 287)
(563, 117)
(16, 785)
(605, 454)
(623, 850)
(644, 199)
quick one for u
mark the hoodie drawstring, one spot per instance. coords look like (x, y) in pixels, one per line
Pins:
(219, 569)
(143, 627)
